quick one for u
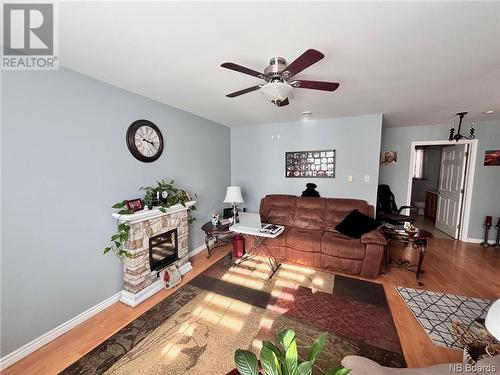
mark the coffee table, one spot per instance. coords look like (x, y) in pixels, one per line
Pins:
(219, 233)
(418, 241)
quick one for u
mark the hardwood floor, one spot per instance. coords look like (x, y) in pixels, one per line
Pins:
(451, 267)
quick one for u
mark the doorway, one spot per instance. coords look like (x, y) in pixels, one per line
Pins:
(440, 186)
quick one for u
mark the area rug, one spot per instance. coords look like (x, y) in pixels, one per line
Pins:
(436, 312)
(197, 329)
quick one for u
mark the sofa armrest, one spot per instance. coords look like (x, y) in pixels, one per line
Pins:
(373, 237)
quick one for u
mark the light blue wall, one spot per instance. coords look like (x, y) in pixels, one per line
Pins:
(258, 157)
(64, 163)
(486, 191)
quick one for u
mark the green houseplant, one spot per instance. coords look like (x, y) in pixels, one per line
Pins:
(282, 361)
(175, 196)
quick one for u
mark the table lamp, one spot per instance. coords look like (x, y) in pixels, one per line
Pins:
(233, 196)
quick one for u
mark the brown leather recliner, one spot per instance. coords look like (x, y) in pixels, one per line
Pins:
(310, 237)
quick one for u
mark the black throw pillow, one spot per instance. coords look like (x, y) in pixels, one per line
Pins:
(356, 224)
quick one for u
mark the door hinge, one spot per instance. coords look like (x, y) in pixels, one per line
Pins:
(466, 153)
(458, 226)
(462, 191)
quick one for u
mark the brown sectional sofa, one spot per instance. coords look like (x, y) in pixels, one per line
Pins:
(310, 237)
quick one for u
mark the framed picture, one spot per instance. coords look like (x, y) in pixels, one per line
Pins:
(135, 204)
(388, 157)
(316, 164)
(491, 158)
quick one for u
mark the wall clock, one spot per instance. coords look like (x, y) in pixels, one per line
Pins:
(144, 141)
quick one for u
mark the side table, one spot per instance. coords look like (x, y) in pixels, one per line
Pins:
(417, 239)
(216, 232)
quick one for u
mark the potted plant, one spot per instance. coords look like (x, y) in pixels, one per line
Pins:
(282, 361)
(174, 196)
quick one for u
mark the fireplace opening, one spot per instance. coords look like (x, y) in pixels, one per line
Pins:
(163, 250)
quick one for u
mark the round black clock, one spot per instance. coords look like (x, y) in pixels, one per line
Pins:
(144, 141)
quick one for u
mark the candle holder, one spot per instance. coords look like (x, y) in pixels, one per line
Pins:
(497, 243)
(487, 226)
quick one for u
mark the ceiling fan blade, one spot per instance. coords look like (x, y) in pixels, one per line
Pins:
(284, 103)
(244, 91)
(311, 56)
(318, 85)
(242, 69)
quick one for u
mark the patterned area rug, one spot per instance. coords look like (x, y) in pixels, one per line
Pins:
(197, 329)
(436, 312)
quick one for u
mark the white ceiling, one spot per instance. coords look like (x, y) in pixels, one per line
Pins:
(416, 62)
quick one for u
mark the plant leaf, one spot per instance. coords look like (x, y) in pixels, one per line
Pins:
(269, 361)
(317, 346)
(115, 237)
(286, 337)
(119, 205)
(292, 358)
(246, 362)
(106, 249)
(123, 226)
(305, 368)
(275, 349)
(117, 244)
(340, 370)
(162, 209)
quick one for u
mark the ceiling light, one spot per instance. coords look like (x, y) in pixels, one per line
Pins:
(306, 114)
(276, 91)
(489, 112)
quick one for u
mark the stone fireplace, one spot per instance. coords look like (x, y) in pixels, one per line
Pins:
(153, 228)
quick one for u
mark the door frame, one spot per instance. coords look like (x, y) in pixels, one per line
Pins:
(470, 168)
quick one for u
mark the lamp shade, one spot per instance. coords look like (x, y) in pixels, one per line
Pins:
(276, 90)
(233, 195)
(492, 322)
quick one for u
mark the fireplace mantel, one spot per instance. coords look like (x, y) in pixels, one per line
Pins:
(142, 215)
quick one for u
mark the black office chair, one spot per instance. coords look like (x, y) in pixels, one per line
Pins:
(386, 207)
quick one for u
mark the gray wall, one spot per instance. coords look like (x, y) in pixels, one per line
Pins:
(258, 157)
(64, 163)
(485, 193)
(431, 180)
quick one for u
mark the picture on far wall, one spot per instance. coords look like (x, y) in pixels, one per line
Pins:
(388, 157)
(310, 164)
(492, 158)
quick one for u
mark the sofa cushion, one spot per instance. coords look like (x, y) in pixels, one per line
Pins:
(341, 246)
(304, 239)
(278, 209)
(277, 241)
(356, 224)
(310, 213)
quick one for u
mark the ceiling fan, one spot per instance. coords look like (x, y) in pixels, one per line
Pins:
(278, 77)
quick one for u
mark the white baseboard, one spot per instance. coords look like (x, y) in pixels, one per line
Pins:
(44, 339)
(478, 240)
(133, 299)
(123, 296)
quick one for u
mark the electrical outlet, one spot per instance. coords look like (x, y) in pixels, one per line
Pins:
(367, 178)
(349, 178)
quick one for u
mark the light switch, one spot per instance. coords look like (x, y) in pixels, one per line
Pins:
(349, 178)
(367, 177)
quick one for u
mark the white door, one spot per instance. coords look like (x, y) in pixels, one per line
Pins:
(450, 189)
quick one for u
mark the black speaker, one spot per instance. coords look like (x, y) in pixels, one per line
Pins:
(227, 213)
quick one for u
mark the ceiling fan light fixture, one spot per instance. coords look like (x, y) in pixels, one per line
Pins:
(276, 91)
